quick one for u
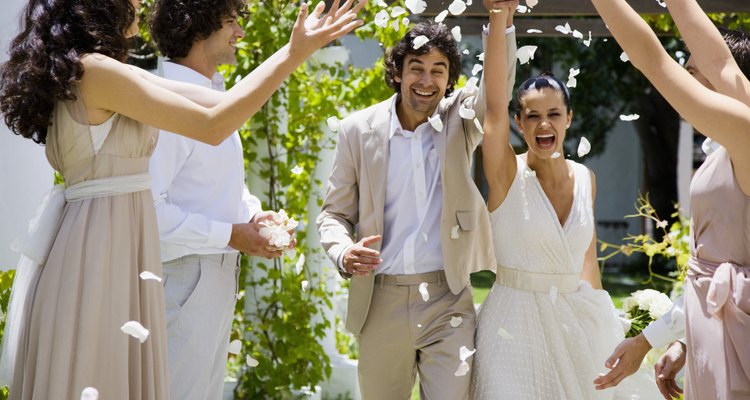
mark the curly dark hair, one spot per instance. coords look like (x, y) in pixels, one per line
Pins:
(739, 45)
(440, 39)
(44, 60)
(539, 82)
(177, 24)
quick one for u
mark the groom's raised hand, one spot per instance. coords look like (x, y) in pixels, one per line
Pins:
(360, 260)
(508, 7)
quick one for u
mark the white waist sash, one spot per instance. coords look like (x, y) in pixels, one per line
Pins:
(536, 281)
(36, 246)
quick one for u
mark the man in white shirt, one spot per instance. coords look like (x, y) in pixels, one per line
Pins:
(204, 210)
(402, 174)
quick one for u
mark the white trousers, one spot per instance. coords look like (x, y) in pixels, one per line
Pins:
(199, 293)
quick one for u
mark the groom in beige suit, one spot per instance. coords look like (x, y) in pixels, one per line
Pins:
(403, 218)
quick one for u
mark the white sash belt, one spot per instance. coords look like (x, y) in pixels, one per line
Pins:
(35, 248)
(536, 281)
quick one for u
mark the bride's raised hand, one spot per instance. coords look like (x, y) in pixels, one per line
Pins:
(314, 30)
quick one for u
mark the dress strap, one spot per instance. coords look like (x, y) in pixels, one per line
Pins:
(536, 281)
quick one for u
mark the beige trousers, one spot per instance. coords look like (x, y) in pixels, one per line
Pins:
(199, 293)
(405, 335)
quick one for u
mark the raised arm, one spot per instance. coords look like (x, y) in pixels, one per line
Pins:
(720, 117)
(498, 155)
(708, 50)
(112, 86)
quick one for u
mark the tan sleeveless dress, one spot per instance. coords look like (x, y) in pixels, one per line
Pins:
(717, 290)
(90, 285)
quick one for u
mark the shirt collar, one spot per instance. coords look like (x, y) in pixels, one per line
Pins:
(396, 124)
(182, 73)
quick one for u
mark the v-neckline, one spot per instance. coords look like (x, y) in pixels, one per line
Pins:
(548, 202)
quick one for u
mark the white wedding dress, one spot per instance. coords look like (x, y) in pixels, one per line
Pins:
(542, 333)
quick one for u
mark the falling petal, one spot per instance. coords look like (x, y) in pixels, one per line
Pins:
(534, 31)
(532, 3)
(466, 52)
(624, 57)
(464, 353)
(419, 325)
(564, 29)
(553, 290)
(423, 291)
(235, 346)
(471, 84)
(466, 113)
(584, 147)
(521, 9)
(396, 11)
(382, 3)
(587, 42)
(662, 3)
(395, 24)
(251, 362)
(436, 122)
(504, 334)
(147, 275)
(456, 321)
(463, 369)
(405, 21)
(577, 34)
(440, 17)
(420, 41)
(300, 263)
(240, 295)
(416, 6)
(381, 18)
(481, 130)
(476, 69)
(297, 170)
(333, 124)
(456, 32)
(89, 393)
(480, 57)
(304, 285)
(572, 81)
(136, 330)
(454, 232)
(555, 155)
(631, 117)
(526, 53)
(662, 224)
(457, 7)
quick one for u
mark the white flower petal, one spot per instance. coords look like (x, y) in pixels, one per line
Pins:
(423, 291)
(624, 57)
(456, 321)
(397, 11)
(454, 232)
(235, 346)
(504, 334)
(136, 330)
(456, 32)
(526, 53)
(572, 81)
(463, 369)
(522, 9)
(305, 284)
(553, 290)
(382, 3)
(333, 124)
(90, 393)
(631, 117)
(457, 7)
(564, 29)
(480, 57)
(587, 42)
(148, 275)
(436, 122)
(381, 18)
(239, 295)
(466, 113)
(476, 69)
(532, 3)
(419, 325)
(471, 84)
(555, 155)
(534, 31)
(466, 52)
(405, 21)
(478, 125)
(416, 6)
(577, 34)
(464, 353)
(300, 264)
(440, 17)
(395, 24)
(251, 362)
(584, 147)
(297, 170)
(420, 41)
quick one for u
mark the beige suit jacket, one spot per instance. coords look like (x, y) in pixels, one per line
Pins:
(355, 197)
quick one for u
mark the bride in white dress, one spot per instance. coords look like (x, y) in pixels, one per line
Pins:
(546, 328)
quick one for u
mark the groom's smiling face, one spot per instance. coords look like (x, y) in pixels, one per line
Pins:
(423, 82)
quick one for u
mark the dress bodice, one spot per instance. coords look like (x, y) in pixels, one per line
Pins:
(527, 233)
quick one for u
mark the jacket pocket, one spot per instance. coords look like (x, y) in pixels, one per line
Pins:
(467, 219)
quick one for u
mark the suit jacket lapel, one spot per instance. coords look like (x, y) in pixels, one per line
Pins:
(375, 152)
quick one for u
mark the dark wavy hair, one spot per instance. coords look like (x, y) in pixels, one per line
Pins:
(738, 42)
(539, 82)
(440, 39)
(177, 24)
(45, 62)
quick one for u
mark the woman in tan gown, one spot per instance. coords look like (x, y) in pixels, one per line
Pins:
(716, 101)
(65, 85)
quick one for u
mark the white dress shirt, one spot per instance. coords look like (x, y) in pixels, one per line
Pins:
(668, 328)
(413, 201)
(199, 190)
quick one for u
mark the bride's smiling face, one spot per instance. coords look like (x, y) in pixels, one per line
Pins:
(543, 118)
